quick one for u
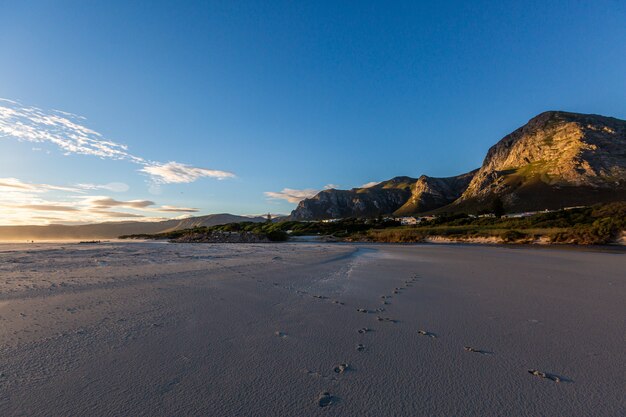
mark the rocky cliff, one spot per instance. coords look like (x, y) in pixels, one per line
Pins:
(383, 198)
(429, 193)
(557, 159)
(399, 196)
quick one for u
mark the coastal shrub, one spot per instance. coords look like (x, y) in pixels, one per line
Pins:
(513, 236)
(277, 236)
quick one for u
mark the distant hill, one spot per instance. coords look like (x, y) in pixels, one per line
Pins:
(111, 230)
(556, 160)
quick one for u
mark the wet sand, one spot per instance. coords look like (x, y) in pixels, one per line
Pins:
(310, 329)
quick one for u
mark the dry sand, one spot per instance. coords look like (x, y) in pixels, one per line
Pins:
(273, 329)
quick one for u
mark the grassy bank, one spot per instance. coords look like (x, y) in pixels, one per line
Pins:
(596, 225)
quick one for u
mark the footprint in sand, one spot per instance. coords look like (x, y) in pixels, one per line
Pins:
(544, 375)
(482, 352)
(364, 330)
(338, 302)
(341, 368)
(387, 319)
(325, 399)
(280, 334)
(360, 347)
(425, 333)
(362, 310)
(321, 297)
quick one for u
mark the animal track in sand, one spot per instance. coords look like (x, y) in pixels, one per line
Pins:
(425, 333)
(280, 334)
(360, 347)
(364, 330)
(362, 310)
(338, 302)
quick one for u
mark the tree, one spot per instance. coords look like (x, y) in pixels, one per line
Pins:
(497, 207)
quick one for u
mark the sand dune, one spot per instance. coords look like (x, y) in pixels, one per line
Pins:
(310, 329)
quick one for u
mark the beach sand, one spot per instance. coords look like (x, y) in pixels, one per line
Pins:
(161, 329)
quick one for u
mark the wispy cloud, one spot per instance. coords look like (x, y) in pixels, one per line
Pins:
(117, 187)
(292, 195)
(295, 196)
(174, 172)
(143, 205)
(108, 202)
(68, 132)
(13, 184)
(47, 207)
(173, 209)
(28, 203)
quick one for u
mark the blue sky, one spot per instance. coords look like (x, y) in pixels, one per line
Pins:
(216, 104)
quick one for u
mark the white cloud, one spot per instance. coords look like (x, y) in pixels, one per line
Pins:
(116, 187)
(292, 195)
(66, 131)
(370, 184)
(14, 184)
(108, 202)
(173, 209)
(28, 203)
(47, 207)
(174, 172)
(142, 205)
(295, 196)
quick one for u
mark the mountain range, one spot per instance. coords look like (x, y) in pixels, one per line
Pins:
(111, 230)
(557, 159)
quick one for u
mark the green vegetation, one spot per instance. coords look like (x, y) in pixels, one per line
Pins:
(600, 224)
(596, 225)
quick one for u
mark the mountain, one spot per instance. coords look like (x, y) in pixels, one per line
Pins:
(399, 196)
(556, 160)
(111, 230)
(429, 193)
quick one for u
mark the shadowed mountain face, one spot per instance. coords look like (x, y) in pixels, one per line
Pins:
(556, 160)
(111, 230)
(399, 196)
(430, 193)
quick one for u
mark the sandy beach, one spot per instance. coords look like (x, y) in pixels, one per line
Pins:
(307, 329)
